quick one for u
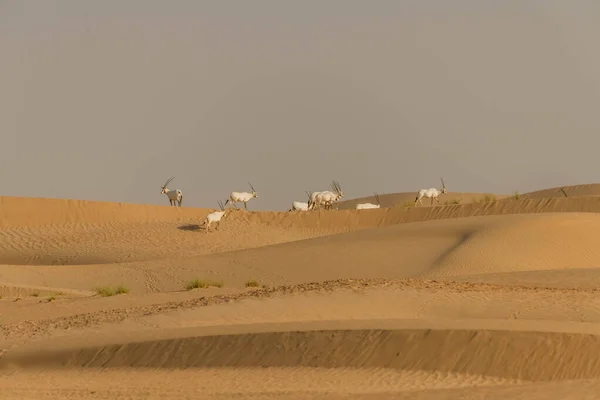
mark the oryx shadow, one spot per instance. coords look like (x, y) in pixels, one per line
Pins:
(191, 227)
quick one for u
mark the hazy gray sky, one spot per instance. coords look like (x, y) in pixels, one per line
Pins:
(105, 100)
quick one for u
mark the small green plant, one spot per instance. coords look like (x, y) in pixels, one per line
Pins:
(35, 294)
(107, 291)
(252, 283)
(485, 199)
(50, 298)
(516, 195)
(202, 284)
(409, 204)
(121, 290)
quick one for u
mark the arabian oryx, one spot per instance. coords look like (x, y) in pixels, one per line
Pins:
(368, 206)
(327, 198)
(214, 217)
(431, 193)
(300, 206)
(244, 197)
(175, 196)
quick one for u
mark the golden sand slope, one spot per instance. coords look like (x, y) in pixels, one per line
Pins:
(443, 300)
(571, 191)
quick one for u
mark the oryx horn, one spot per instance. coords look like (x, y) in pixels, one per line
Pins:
(168, 181)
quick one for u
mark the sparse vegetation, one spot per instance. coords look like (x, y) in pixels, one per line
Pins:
(35, 294)
(202, 284)
(51, 298)
(485, 199)
(409, 204)
(107, 291)
(452, 202)
(121, 290)
(516, 195)
(252, 283)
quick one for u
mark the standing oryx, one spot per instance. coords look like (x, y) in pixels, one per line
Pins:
(367, 206)
(326, 198)
(431, 193)
(244, 197)
(300, 206)
(215, 217)
(175, 196)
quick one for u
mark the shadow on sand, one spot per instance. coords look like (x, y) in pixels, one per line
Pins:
(191, 227)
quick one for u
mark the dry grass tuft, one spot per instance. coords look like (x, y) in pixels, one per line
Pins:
(202, 284)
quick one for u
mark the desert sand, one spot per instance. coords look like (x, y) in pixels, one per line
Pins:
(481, 297)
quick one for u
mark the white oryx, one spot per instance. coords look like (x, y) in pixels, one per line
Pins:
(300, 206)
(368, 206)
(214, 217)
(431, 193)
(327, 198)
(175, 196)
(244, 197)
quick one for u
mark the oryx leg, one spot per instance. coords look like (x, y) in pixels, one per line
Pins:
(436, 199)
(245, 206)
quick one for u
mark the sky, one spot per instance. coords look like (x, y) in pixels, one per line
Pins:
(105, 100)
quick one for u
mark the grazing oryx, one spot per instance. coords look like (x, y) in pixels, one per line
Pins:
(300, 206)
(175, 196)
(432, 193)
(215, 217)
(244, 197)
(327, 198)
(367, 206)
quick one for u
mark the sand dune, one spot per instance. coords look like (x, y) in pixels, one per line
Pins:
(571, 191)
(407, 199)
(426, 302)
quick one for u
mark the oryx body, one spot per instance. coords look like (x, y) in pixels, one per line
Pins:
(301, 206)
(327, 198)
(431, 193)
(244, 197)
(368, 206)
(214, 217)
(175, 196)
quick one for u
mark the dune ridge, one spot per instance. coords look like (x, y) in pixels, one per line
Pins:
(529, 356)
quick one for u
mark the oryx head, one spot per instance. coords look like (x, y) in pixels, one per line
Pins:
(254, 194)
(337, 189)
(164, 187)
(444, 191)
